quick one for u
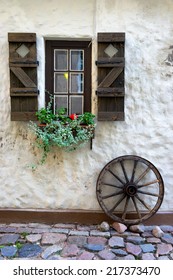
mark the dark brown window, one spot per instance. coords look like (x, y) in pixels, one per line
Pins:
(68, 75)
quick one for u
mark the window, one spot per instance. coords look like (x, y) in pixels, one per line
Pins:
(68, 75)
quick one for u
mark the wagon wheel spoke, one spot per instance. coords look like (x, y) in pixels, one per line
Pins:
(142, 175)
(136, 207)
(119, 179)
(134, 170)
(117, 204)
(124, 171)
(143, 202)
(111, 195)
(125, 207)
(112, 185)
(148, 184)
(148, 193)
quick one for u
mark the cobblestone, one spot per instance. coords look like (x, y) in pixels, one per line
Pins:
(83, 242)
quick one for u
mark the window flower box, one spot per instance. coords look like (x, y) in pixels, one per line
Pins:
(60, 130)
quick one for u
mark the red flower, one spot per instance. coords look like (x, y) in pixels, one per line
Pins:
(73, 117)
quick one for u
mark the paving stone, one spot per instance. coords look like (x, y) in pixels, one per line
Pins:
(67, 226)
(53, 238)
(148, 256)
(124, 234)
(137, 228)
(163, 249)
(104, 226)
(168, 238)
(86, 228)
(148, 228)
(8, 251)
(97, 240)
(99, 233)
(79, 233)
(116, 242)
(171, 256)
(33, 238)
(39, 230)
(86, 256)
(78, 240)
(54, 257)
(119, 252)
(157, 232)
(51, 250)
(147, 234)
(94, 247)
(147, 248)
(153, 240)
(135, 239)
(70, 250)
(133, 249)
(9, 239)
(119, 227)
(29, 250)
(8, 230)
(128, 257)
(163, 258)
(17, 225)
(60, 230)
(166, 228)
(106, 255)
(23, 230)
(38, 225)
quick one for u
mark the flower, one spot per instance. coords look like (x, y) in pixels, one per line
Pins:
(73, 117)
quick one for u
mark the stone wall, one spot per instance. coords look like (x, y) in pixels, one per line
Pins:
(68, 180)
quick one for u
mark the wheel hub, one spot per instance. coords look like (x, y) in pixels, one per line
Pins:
(130, 189)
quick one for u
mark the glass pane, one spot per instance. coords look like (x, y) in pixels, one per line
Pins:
(76, 105)
(76, 82)
(61, 82)
(77, 60)
(60, 60)
(60, 101)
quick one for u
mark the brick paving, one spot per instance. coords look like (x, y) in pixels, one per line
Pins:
(83, 242)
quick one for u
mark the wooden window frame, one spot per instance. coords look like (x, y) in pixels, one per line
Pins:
(50, 46)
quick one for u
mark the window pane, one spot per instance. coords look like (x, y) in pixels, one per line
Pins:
(76, 105)
(60, 101)
(76, 82)
(77, 60)
(60, 60)
(61, 82)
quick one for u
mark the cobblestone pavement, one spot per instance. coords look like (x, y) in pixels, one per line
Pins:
(81, 242)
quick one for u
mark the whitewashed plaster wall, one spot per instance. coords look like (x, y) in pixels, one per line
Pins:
(68, 180)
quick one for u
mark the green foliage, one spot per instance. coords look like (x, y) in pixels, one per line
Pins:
(18, 245)
(62, 131)
(87, 118)
(45, 115)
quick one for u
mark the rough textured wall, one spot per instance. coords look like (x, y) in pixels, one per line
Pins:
(68, 180)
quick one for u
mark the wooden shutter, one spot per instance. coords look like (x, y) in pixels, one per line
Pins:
(110, 65)
(23, 76)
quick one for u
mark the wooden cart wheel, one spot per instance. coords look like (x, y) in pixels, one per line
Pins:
(130, 189)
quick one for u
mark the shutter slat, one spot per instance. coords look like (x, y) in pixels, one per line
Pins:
(112, 75)
(23, 77)
(21, 37)
(111, 37)
(110, 62)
